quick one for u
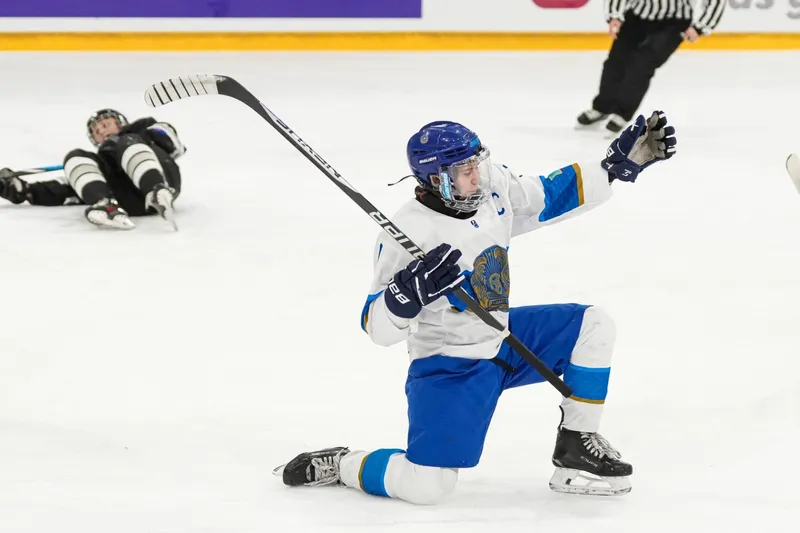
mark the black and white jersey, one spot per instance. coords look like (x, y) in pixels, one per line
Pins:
(705, 21)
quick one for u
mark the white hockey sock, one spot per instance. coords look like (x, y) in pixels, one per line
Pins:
(367, 471)
(588, 372)
(143, 167)
(387, 472)
(85, 177)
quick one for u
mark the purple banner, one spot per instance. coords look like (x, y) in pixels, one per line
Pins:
(213, 8)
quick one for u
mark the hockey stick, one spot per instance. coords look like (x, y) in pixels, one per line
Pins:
(174, 89)
(37, 170)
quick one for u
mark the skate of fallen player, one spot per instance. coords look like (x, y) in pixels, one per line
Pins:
(465, 212)
(793, 168)
(133, 173)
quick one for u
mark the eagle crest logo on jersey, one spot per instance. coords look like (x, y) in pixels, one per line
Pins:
(491, 279)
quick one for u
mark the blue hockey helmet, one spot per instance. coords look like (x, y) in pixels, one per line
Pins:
(450, 160)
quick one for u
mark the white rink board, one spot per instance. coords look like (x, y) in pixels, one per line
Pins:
(742, 16)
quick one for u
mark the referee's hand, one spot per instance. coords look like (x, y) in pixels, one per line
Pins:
(613, 28)
(690, 34)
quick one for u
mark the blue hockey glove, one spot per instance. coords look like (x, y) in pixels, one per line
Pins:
(424, 281)
(641, 144)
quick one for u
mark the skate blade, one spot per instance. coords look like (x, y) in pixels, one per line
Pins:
(600, 131)
(278, 470)
(610, 135)
(167, 213)
(118, 222)
(595, 127)
(793, 169)
(161, 201)
(570, 481)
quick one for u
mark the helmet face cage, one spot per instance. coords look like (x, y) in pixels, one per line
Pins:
(466, 184)
(100, 115)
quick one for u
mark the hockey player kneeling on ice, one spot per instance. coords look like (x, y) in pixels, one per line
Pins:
(464, 215)
(133, 173)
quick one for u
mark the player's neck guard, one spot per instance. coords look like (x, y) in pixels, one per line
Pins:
(431, 200)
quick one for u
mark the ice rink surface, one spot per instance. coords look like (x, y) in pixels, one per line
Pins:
(151, 380)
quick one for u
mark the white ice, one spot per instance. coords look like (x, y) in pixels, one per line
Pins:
(151, 380)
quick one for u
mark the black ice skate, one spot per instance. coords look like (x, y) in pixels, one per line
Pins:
(313, 469)
(590, 117)
(615, 125)
(587, 464)
(108, 214)
(161, 199)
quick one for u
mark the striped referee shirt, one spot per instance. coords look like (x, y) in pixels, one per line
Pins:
(668, 9)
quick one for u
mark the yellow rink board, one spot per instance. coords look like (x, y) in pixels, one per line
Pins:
(396, 41)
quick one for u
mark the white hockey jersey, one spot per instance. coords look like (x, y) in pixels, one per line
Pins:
(518, 204)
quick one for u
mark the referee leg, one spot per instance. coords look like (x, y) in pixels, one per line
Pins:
(631, 34)
(662, 40)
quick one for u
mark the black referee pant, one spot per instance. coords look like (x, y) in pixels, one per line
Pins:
(641, 47)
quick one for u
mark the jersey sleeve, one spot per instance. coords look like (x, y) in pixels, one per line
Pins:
(166, 136)
(567, 192)
(138, 126)
(383, 327)
(161, 133)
